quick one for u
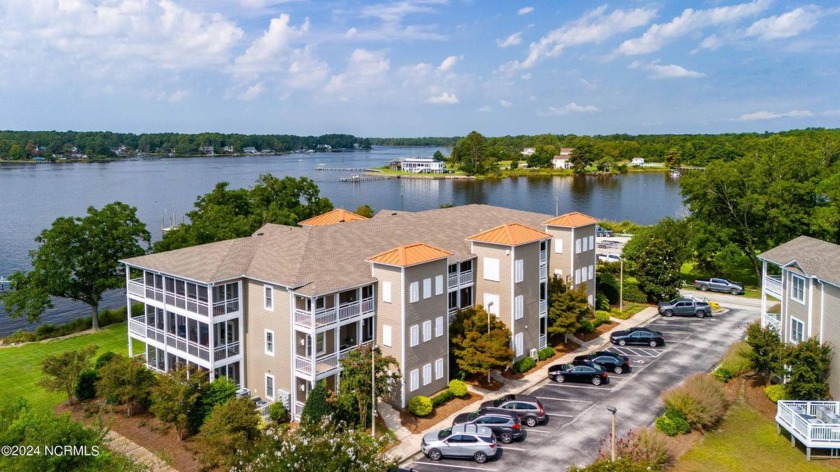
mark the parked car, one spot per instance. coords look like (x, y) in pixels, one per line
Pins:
(603, 232)
(638, 336)
(717, 284)
(685, 306)
(465, 440)
(505, 424)
(528, 407)
(610, 361)
(593, 373)
(609, 258)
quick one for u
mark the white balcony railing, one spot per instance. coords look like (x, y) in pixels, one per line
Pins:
(543, 256)
(225, 351)
(201, 307)
(303, 365)
(326, 316)
(466, 277)
(543, 273)
(773, 285)
(772, 320)
(543, 341)
(137, 327)
(322, 364)
(367, 305)
(136, 288)
(453, 280)
(815, 424)
(343, 353)
(543, 307)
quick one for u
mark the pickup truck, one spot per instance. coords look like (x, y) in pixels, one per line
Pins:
(685, 306)
(717, 284)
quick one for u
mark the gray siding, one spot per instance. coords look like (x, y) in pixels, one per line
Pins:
(831, 333)
(794, 308)
(502, 288)
(529, 288)
(390, 314)
(256, 320)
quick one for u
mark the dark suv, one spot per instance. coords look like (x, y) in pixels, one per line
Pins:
(527, 407)
(505, 424)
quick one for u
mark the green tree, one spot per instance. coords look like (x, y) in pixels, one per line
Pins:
(767, 351)
(472, 155)
(356, 379)
(317, 406)
(62, 371)
(475, 350)
(673, 157)
(677, 234)
(176, 396)
(365, 210)
(439, 156)
(658, 271)
(217, 392)
(808, 363)
(77, 258)
(583, 155)
(568, 307)
(230, 432)
(542, 157)
(127, 381)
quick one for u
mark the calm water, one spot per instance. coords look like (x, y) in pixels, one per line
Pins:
(35, 195)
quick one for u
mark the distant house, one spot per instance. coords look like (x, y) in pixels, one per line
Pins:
(637, 161)
(528, 151)
(422, 165)
(564, 159)
(267, 151)
(206, 150)
(249, 150)
(228, 149)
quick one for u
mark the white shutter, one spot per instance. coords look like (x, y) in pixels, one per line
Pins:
(386, 292)
(438, 326)
(584, 245)
(438, 285)
(427, 331)
(519, 344)
(592, 242)
(577, 246)
(386, 335)
(427, 374)
(591, 272)
(491, 269)
(415, 335)
(439, 369)
(489, 297)
(519, 271)
(415, 380)
(519, 307)
(427, 288)
(415, 292)
(577, 276)
(558, 246)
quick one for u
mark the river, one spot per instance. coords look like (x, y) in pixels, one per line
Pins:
(35, 195)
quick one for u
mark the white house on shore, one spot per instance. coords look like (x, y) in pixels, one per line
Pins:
(423, 165)
(564, 159)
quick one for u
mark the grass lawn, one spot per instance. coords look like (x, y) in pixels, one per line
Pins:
(630, 309)
(746, 441)
(742, 272)
(20, 366)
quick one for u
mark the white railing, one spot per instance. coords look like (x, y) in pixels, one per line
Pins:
(543, 256)
(453, 280)
(543, 307)
(303, 365)
(191, 347)
(543, 272)
(466, 277)
(225, 307)
(326, 363)
(136, 288)
(773, 285)
(225, 351)
(349, 310)
(772, 320)
(815, 424)
(343, 353)
(298, 409)
(137, 327)
(367, 305)
(543, 341)
(323, 316)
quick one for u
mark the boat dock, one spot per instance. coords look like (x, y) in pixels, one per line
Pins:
(5, 284)
(365, 178)
(344, 169)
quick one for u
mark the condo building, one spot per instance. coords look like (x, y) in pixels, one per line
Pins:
(277, 311)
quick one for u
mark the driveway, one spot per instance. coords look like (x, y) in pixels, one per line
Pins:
(579, 419)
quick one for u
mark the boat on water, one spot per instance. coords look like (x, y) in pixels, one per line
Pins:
(675, 173)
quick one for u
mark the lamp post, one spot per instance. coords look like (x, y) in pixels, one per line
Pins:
(621, 287)
(373, 386)
(612, 410)
(488, 337)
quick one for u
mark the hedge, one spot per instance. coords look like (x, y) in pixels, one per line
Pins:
(546, 353)
(775, 392)
(442, 398)
(420, 406)
(524, 365)
(458, 388)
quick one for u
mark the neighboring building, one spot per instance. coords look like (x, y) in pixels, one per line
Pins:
(803, 281)
(528, 151)
(564, 159)
(422, 165)
(208, 150)
(277, 311)
(228, 149)
(637, 161)
(249, 150)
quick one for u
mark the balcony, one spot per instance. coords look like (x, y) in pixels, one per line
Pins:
(225, 351)
(343, 353)
(543, 257)
(322, 364)
(543, 308)
(543, 272)
(815, 424)
(466, 278)
(453, 280)
(326, 316)
(543, 341)
(201, 307)
(773, 285)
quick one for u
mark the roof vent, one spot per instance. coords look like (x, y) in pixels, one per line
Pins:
(394, 214)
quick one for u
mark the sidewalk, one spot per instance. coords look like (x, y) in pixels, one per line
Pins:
(409, 445)
(139, 454)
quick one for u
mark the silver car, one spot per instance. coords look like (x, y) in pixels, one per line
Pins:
(463, 440)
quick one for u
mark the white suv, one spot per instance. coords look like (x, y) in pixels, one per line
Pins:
(463, 440)
(609, 257)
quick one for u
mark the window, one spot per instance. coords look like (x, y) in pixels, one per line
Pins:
(438, 285)
(577, 246)
(415, 291)
(269, 298)
(584, 245)
(427, 374)
(491, 269)
(558, 246)
(427, 288)
(269, 386)
(386, 335)
(797, 330)
(320, 343)
(438, 326)
(592, 242)
(386, 292)
(591, 273)
(519, 271)
(269, 342)
(414, 382)
(427, 331)
(518, 343)
(415, 335)
(439, 369)
(577, 276)
(798, 292)
(518, 307)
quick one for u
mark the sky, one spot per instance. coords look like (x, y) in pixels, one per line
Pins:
(419, 67)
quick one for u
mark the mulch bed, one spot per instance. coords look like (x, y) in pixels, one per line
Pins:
(416, 425)
(560, 350)
(598, 331)
(142, 428)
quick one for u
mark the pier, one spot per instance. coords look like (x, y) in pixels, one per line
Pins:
(345, 169)
(365, 178)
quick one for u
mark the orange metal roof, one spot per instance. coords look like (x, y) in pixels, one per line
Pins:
(510, 234)
(571, 220)
(410, 254)
(332, 217)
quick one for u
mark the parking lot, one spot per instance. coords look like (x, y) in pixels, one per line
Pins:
(578, 416)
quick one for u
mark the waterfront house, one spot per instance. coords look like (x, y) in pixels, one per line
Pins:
(564, 159)
(249, 150)
(422, 165)
(207, 150)
(528, 151)
(637, 161)
(277, 311)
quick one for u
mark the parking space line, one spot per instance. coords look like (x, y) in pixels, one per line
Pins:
(564, 400)
(557, 415)
(505, 448)
(454, 466)
(541, 431)
(564, 384)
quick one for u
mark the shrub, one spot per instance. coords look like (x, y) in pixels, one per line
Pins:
(442, 397)
(45, 331)
(678, 419)
(586, 326)
(736, 360)
(645, 447)
(632, 293)
(775, 392)
(108, 317)
(420, 406)
(700, 398)
(546, 353)
(86, 386)
(666, 425)
(21, 336)
(458, 388)
(602, 302)
(278, 413)
(723, 374)
(104, 359)
(602, 317)
(524, 365)
(317, 406)
(622, 464)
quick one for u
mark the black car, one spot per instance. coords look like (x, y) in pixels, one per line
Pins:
(594, 374)
(638, 336)
(505, 424)
(610, 361)
(528, 407)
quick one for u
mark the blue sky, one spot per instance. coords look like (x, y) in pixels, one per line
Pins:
(419, 67)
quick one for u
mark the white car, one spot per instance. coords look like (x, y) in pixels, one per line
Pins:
(609, 257)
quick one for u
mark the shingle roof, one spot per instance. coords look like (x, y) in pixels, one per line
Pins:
(509, 234)
(574, 219)
(338, 215)
(814, 257)
(410, 254)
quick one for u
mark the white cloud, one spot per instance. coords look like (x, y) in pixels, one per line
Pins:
(511, 40)
(485, 109)
(365, 70)
(392, 16)
(444, 98)
(593, 27)
(786, 25)
(689, 21)
(711, 42)
(505, 103)
(252, 92)
(525, 10)
(588, 85)
(767, 115)
(177, 96)
(268, 52)
(305, 70)
(669, 71)
(448, 63)
(570, 109)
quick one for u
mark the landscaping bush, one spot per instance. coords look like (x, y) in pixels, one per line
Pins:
(667, 426)
(458, 388)
(736, 360)
(442, 398)
(645, 448)
(108, 317)
(700, 398)
(86, 386)
(104, 359)
(632, 293)
(723, 374)
(278, 413)
(602, 302)
(678, 419)
(620, 465)
(602, 317)
(586, 326)
(775, 392)
(524, 365)
(21, 336)
(420, 406)
(546, 353)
